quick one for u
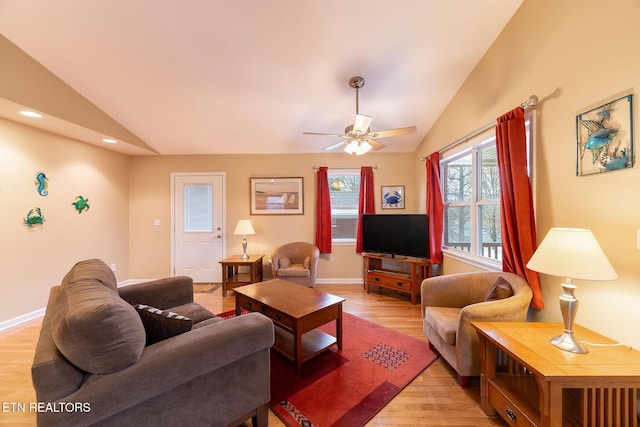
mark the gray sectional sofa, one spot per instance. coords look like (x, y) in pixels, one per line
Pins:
(94, 364)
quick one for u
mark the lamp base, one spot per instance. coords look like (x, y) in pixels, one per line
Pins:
(568, 307)
(567, 342)
(244, 248)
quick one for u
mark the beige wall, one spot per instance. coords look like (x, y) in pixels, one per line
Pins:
(573, 55)
(33, 261)
(150, 246)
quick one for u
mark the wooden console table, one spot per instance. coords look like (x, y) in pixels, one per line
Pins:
(530, 382)
(400, 274)
(233, 277)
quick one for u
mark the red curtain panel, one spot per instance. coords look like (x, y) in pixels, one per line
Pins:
(366, 201)
(434, 208)
(516, 201)
(323, 211)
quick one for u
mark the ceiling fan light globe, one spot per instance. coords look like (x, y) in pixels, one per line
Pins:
(352, 147)
(363, 148)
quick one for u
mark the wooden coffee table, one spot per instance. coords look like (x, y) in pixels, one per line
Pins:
(297, 311)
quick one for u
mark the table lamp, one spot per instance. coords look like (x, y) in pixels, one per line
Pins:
(572, 253)
(244, 227)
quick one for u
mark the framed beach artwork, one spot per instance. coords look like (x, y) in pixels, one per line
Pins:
(392, 196)
(605, 137)
(277, 196)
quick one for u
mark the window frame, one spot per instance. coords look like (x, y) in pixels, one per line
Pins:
(348, 241)
(472, 146)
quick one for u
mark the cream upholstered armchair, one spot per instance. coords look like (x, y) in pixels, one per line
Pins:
(296, 262)
(451, 302)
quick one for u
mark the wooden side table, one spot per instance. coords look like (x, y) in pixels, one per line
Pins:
(233, 277)
(529, 382)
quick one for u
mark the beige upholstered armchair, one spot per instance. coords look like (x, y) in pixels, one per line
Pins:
(296, 262)
(451, 302)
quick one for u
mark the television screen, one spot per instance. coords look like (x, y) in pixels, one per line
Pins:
(401, 234)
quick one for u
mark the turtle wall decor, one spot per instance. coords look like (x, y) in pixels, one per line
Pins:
(81, 204)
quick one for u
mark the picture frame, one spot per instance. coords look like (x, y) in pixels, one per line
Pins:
(605, 137)
(392, 196)
(277, 196)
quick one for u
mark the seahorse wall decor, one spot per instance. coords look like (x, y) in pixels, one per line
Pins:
(42, 183)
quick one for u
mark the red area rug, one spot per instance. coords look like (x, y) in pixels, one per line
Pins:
(347, 387)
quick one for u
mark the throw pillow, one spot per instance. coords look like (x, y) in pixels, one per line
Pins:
(284, 262)
(162, 324)
(501, 289)
(307, 262)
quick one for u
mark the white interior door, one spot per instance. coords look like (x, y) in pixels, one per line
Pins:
(198, 226)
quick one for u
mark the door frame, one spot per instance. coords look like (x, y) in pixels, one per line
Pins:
(174, 175)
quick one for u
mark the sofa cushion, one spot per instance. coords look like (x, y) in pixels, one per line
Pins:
(162, 324)
(501, 289)
(294, 270)
(95, 329)
(284, 262)
(92, 269)
(444, 320)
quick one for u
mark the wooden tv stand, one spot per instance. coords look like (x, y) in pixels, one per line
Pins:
(398, 273)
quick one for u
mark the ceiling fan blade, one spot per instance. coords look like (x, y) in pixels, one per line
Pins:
(392, 132)
(324, 134)
(362, 122)
(375, 145)
(334, 146)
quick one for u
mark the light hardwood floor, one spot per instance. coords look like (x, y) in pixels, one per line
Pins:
(432, 399)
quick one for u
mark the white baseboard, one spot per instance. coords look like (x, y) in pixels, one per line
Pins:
(338, 281)
(132, 282)
(8, 324)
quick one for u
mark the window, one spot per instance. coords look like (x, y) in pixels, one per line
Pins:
(344, 190)
(198, 208)
(471, 196)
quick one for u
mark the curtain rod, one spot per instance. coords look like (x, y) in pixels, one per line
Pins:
(532, 102)
(344, 167)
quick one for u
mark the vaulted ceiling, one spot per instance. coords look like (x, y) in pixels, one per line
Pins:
(249, 76)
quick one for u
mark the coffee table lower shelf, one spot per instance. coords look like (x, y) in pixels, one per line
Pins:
(313, 343)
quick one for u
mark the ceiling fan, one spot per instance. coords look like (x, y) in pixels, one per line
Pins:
(357, 137)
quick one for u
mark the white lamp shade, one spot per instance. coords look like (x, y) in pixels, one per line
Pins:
(572, 253)
(244, 227)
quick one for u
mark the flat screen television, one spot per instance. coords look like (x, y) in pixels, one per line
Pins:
(399, 234)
